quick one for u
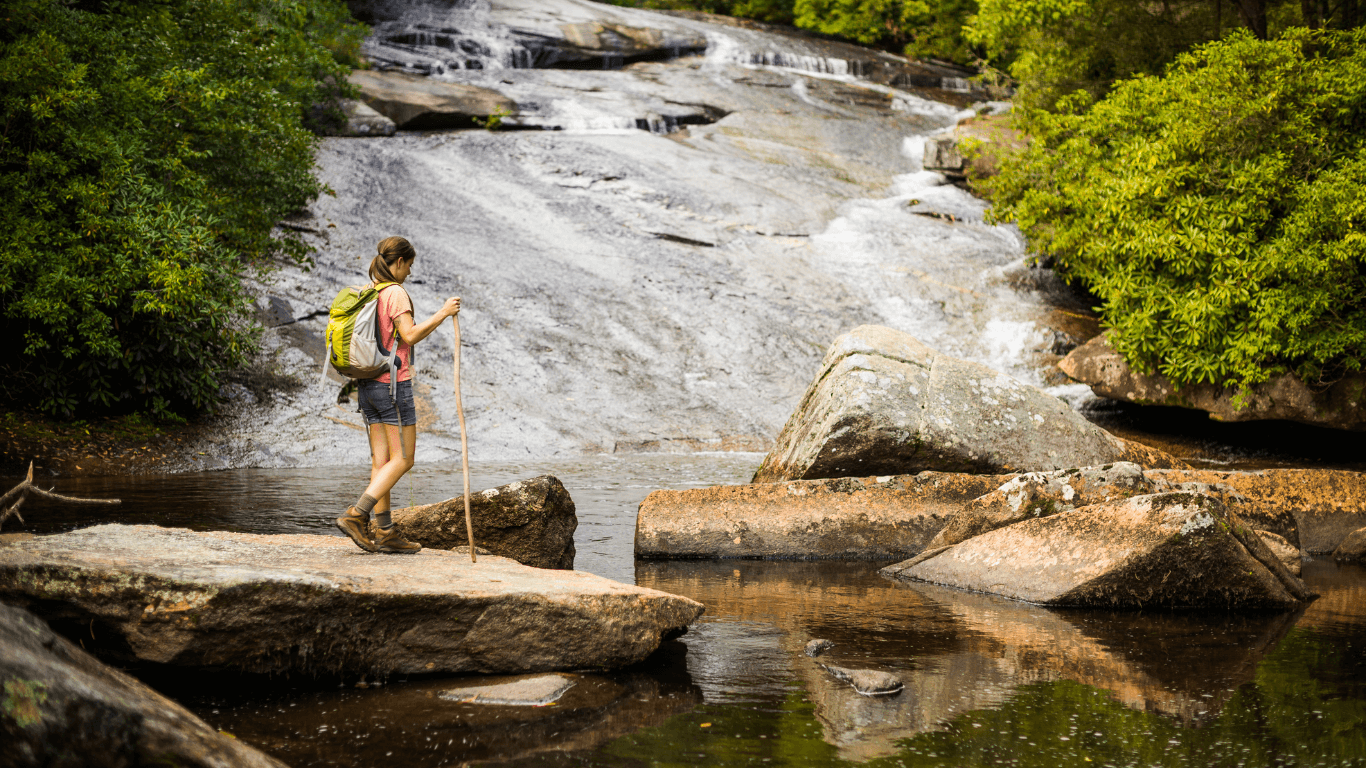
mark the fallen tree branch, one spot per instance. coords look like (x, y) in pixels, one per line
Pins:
(23, 489)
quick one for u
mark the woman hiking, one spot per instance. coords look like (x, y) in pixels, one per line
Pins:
(391, 424)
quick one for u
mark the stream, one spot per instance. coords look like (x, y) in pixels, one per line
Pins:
(988, 681)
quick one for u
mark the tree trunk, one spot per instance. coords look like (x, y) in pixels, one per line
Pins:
(1254, 16)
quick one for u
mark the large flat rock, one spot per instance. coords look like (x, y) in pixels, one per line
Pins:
(1099, 366)
(62, 707)
(531, 521)
(317, 603)
(870, 518)
(1166, 550)
(884, 403)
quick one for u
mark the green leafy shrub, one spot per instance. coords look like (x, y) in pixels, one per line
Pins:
(1217, 212)
(148, 149)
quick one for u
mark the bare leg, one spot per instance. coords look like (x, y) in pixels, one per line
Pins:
(379, 456)
(386, 474)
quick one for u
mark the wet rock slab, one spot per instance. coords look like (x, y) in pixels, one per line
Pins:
(528, 691)
(883, 402)
(870, 518)
(63, 707)
(317, 603)
(531, 521)
(1166, 550)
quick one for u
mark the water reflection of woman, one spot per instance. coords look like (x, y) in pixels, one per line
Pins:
(390, 421)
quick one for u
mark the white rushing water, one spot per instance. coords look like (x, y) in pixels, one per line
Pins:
(662, 267)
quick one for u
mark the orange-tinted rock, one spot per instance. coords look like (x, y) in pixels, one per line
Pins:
(868, 518)
(1098, 365)
(1040, 494)
(1168, 550)
(1313, 509)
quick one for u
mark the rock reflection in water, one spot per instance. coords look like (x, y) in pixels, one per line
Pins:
(958, 651)
(373, 726)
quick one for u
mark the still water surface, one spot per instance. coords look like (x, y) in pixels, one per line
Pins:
(988, 681)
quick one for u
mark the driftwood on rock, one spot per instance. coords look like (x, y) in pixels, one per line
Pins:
(21, 491)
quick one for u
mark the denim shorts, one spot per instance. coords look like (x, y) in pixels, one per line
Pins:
(377, 408)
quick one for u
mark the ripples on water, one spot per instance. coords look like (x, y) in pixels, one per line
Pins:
(989, 681)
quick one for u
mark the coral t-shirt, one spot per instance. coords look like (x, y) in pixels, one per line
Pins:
(394, 301)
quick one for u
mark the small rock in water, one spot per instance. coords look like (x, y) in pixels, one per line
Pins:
(817, 647)
(527, 691)
(1352, 548)
(869, 682)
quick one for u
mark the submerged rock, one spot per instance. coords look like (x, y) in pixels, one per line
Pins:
(869, 518)
(1099, 366)
(319, 604)
(817, 647)
(63, 707)
(869, 682)
(531, 521)
(524, 691)
(884, 403)
(1167, 550)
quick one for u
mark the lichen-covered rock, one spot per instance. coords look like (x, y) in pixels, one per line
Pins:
(531, 521)
(883, 403)
(1040, 494)
(1099, 366)
(1313, 509)
(61, 707)
(305, 603)
(868, 518)
(1167, 550)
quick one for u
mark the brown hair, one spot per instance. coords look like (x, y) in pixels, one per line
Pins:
(391, 251)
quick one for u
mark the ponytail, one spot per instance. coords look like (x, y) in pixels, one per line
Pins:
(391, 251)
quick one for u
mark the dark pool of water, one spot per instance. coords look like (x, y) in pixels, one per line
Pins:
(988, 681)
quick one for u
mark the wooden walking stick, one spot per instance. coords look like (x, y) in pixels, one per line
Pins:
(464, 445)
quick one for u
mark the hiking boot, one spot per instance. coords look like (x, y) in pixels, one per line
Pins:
(356, 524)
(392, 542)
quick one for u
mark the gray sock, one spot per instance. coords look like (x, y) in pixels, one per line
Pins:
(366, 504)
(383, 520)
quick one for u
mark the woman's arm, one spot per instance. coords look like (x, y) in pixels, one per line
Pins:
(412, 333)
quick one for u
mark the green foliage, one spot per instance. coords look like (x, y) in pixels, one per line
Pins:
(770, 11)
(920, 28)
(493, 122)
(1054, 48)
(148, 149)
(1217, 211)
